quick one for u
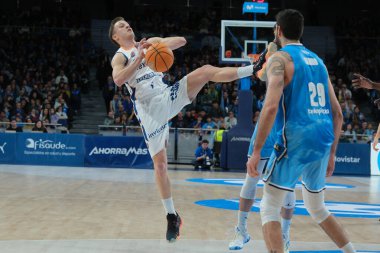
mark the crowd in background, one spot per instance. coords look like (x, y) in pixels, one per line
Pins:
(43, 71)
(217, 104)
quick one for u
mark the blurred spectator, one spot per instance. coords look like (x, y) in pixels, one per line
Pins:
(127, 104)
(358, 116)
(198, 123)
(117, 121)
(13, 127)
(62, 116)
(209, 124)
(178, 121)
(216, 112)
(369, 132)
(350, 133)
(39, 127)
(114, 104)
(61, 78)
(230, 121)
(29, 126)
(109, 120)
(54, 117)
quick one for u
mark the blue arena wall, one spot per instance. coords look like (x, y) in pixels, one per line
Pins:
(74, 150)
(131, 152)
(351, 159)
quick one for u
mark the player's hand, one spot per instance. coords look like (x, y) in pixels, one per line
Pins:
(252, 164)
(374, 144)
(272, 48)
(144, 43)
(330, 166)
(361, 82)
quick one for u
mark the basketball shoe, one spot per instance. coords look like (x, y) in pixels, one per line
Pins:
(174, 225)
(241, 238)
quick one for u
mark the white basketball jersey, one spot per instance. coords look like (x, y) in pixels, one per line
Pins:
(145, 83)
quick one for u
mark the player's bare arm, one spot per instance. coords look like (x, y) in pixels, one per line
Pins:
(121, 72)
(364, 82)
(276, 82)
(337, 123)
(172, 42)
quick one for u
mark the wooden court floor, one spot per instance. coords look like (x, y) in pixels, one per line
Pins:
(64, 209)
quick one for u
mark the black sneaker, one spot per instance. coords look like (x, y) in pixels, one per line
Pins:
(174, 224)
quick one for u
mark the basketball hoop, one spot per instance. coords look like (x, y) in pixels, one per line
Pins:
(253, 57)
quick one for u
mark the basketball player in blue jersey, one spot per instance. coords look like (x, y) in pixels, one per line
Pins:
(155, 103)
(301, 104)
(248, 191)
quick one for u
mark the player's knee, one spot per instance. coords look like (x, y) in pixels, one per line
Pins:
(248, 191)
(161, 169)
(289, 201)
(314, 203)
(319, 214)
(269, 211)
(270, 206)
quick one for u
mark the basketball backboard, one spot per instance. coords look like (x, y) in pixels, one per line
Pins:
(241, 40)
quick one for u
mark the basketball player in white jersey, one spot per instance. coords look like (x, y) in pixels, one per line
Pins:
(155, 103)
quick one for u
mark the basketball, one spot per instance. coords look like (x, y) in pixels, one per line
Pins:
(159, 57)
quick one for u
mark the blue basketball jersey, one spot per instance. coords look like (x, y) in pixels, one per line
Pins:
(267, 149)
(304, 117)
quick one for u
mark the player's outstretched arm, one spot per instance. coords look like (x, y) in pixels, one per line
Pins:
(172, 42)
(121, 72)
(364, 82)
(337, 122)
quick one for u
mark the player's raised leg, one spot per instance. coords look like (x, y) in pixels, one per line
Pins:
(163, 183)
(199, 77)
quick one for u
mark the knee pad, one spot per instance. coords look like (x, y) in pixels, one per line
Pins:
(270, 206)
(315, 205)
(248, 191)
(289, 200)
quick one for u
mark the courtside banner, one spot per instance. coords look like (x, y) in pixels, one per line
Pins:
(50, 149)
(117, 152)
(7, 148)
(352, 159)
(375, 161)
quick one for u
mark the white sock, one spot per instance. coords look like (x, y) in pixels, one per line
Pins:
(168, 205)
(244, 71)
(348, 248)
(242, 220)
(285, 224)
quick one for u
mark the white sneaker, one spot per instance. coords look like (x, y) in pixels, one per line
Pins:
(240, 239)
(286, 241)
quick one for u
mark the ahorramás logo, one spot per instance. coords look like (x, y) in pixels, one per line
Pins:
(118, 151)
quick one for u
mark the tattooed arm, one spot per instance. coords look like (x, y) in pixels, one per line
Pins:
(276, 81)
(275, 86)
